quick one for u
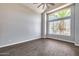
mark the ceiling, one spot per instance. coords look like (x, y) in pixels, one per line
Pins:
(33, 6)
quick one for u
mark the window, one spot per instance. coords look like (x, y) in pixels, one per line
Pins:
(59, 22)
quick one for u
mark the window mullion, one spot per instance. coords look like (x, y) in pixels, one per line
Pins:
(65, 18)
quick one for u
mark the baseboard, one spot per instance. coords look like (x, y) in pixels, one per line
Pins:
(63, 40)
(35, 38)
(38, 37)
(67, 40)
(76, 44)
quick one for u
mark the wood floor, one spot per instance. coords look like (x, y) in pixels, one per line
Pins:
(41, 47)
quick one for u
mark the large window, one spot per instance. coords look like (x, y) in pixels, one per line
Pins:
(59, 22)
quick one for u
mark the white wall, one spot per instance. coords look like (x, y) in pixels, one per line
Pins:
(18, 24)
(77, 23)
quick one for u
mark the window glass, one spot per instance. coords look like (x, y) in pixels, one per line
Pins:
(60, 26)
(60, 14)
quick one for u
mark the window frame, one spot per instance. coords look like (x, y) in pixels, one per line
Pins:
(58, 19)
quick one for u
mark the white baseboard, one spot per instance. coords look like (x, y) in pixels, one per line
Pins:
(76, 44)
(66, 40)
(36, 37)
(62, 39)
